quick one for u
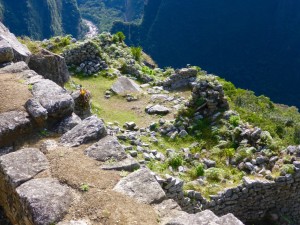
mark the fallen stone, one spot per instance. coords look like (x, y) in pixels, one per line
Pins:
(53, 98)
(90, 129)
(105, 149)
(51, 66)
(128, 164)
(142, 186)
(23, 165)
(157, 109)
(67, 123)
(45, 199)
(125, 86)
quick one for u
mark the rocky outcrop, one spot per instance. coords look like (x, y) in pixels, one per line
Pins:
(125, 86)
(11, 48)
(142, 186)
(90, 129)
(51, 66)
(67, 123)
(127, 164)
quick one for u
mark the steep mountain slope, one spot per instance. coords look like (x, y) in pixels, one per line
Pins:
(255, 44)
(104, 12)
(41, 19)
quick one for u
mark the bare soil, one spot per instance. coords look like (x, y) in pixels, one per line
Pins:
(13, 93)
(100, 203)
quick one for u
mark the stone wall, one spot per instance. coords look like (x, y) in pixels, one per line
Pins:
(182, 78)
(253, 200)
(86, 57)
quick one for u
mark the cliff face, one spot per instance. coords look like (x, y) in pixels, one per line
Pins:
(253, 43)
(41, 18)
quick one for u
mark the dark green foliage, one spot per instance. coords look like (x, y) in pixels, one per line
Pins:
(197, 171)
(105, 12)
(119, 37)
(175, 161)
(137, 53)
(41, 19)
(234, 120)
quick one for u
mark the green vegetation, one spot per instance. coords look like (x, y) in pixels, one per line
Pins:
(197, 171)
(281, 121)
(105, 12)
(119, 37)
(84, 187)
(175, 161)
(137, 53)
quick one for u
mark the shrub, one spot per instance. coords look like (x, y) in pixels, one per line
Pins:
(137, 53)
(214, 174)
(197, 171)
(119, 37)
(84, 187)
(234, 120)
(287, 169)
(175, 161)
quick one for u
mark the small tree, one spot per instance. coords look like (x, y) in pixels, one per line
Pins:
(119, 37)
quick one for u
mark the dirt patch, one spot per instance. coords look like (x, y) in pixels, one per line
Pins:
(13, 93)
(99, 204)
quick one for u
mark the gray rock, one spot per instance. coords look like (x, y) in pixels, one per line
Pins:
(157, 109)
(105, 149)
(53, 98)
(14, 68)
(209, 163)
(36, 111)
(67, 123)
(125, 86)
(183, 133)
(21, 52)
(6, 52)
(76, 222)
(45, 200)
(229, 219)
(90, 129)
(23, 165)
(13, 126)
(48, 145)
(51, 66)
(142, 186)
(249, 166)
(128, 164)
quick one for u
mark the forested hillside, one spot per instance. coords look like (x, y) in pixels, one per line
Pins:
(253, 43)
(105, 12)
(41, 18)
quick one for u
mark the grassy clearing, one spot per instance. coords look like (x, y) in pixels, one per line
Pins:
(116, 108)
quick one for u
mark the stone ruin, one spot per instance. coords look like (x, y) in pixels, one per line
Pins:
(86, 57)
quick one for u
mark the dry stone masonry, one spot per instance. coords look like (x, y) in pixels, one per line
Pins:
(86, 57)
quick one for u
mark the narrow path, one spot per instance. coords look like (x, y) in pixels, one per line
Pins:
(93, 29)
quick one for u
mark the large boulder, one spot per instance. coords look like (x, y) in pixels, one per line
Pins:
(23, 165)
(142, 186)
(53, 98)
(14, 125)
(36, 111)
(90, 129)
(45, 200)
(9, 40)
(125, 86)
(105, 149)
(51, 66)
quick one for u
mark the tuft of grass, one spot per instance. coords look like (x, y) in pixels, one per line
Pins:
(84, 187)
(175, 161)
